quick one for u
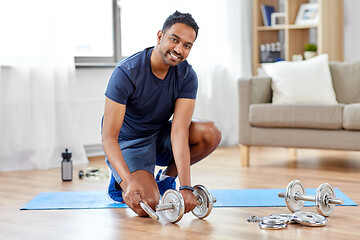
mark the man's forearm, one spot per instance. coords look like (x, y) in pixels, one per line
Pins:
(114, 154)
(181, 152)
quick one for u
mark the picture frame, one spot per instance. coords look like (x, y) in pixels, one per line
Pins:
(277, 18)
(308, 14)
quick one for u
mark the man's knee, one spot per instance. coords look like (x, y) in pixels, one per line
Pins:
(206, 132)
(212, 135)
(152, 202)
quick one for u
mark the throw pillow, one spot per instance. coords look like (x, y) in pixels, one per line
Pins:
(301, 82)
(346, 80)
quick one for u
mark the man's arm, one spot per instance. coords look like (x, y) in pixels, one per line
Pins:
(113, 118)
(184, 109)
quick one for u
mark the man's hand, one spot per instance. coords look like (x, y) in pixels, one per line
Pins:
(133, 193)
(189, 200)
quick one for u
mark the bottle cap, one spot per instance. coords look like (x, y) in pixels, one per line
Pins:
(66, 155)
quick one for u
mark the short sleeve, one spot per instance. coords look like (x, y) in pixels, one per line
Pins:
(189, 89)
(119, 87)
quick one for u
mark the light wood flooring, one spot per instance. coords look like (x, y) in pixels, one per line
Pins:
(269, 168)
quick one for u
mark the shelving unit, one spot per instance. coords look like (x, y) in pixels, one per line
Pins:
(329, 30)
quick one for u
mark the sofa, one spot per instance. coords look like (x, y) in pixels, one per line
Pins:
(301, 124)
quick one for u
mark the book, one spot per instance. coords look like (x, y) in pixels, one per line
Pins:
(266, 11)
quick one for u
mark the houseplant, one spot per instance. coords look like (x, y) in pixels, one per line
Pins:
(310, 50)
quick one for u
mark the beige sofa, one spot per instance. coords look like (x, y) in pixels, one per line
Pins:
(301, 125)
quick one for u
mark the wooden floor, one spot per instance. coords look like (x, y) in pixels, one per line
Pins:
(270, 168)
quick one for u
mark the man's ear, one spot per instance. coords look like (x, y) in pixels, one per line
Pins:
(160, 34)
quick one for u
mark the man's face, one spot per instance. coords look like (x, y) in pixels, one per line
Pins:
(175, 43)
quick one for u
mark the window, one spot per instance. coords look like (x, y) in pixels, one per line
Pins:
(139, 25)
(107, 31)
(96, 32)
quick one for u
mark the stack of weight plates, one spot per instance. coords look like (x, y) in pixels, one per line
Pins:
(280, 221)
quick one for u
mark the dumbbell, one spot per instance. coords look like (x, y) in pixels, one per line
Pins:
(173, 207)
(324, 199)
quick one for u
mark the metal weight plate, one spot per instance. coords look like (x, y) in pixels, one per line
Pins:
(273, 220)
(273, 223)
(310, 219)
(294, 188)
(149, 210)
(289, 217)
(205, 201)
(323, 194)
(173, 196)
(272, 226)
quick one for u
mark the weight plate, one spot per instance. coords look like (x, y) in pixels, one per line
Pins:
(272, 226)
(310, 219)
(174, 197)
(289, 217)
(149, 210)
(273, 220)
(294, 188)
(323, 194)
(205, 201)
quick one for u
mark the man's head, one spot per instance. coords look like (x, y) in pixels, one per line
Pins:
(176, 38)
(178, 17)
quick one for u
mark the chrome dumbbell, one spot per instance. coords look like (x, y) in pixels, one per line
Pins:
(172, 204)
(324, 199)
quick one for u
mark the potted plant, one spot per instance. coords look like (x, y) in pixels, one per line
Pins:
(310, 50)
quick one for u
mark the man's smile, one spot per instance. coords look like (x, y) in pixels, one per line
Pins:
(174, 55)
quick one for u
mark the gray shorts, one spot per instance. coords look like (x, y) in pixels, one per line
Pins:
(145, 153)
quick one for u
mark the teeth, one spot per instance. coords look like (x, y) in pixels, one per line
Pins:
(174, 56)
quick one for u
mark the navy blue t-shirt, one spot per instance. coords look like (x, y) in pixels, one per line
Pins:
(149, 101)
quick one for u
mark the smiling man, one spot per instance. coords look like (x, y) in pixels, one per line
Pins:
(143, 93)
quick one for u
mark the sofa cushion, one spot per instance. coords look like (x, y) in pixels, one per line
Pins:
(351, 117)
(296, 116)
(301, 82)
(346, 81)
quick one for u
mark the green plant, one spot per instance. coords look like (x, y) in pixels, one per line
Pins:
(310, 47)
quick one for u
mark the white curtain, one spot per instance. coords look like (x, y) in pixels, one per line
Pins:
(37, 70)
(221, 54)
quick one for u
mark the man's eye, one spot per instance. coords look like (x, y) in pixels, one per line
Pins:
(173, 39)
(188, 46)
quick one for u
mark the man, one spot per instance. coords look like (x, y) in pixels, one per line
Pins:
(144, 91)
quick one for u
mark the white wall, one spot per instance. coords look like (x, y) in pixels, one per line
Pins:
(90, 83)
(351, 30)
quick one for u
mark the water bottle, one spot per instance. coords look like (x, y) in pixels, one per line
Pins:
(66, 166)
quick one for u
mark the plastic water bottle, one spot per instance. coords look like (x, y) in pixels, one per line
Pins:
(66, 166)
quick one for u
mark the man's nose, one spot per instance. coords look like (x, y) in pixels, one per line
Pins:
(178, 49)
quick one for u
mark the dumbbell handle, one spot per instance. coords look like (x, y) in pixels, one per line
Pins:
(311, 198)
(166, 206)
(169, 206)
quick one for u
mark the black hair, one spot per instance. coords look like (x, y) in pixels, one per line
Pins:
(178, 17)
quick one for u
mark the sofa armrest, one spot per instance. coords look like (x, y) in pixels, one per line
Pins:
(251, 90)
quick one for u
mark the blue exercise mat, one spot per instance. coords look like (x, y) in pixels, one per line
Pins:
(225, 198)
(264, 198)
